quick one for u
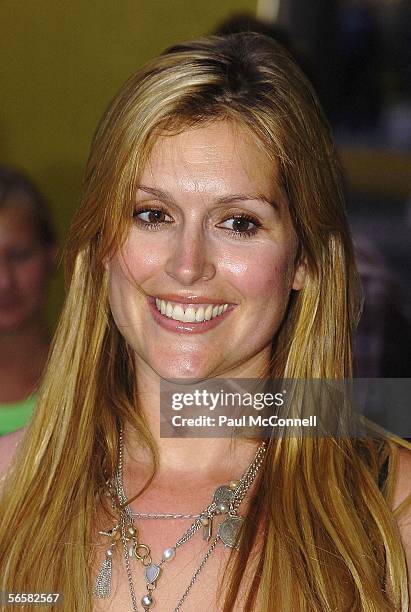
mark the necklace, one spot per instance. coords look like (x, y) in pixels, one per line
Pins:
(226, 501)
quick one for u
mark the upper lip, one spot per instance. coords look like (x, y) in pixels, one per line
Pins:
(189, 299)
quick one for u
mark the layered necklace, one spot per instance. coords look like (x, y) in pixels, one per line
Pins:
(226, 501)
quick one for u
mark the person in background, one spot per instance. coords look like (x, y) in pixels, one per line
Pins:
(27, 255)
(382, 347)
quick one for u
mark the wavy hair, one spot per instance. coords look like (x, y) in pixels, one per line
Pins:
(331, 541)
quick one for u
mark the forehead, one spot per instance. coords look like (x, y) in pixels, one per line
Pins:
(211, 159)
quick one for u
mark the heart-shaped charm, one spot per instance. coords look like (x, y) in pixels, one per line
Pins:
(152, 573)
(229, 530)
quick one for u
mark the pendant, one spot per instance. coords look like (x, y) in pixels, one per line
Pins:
(207, 523)
(223, 495)
(228, 531)
(152, 573)
(102, 587)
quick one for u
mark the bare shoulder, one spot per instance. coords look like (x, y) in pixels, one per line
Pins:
(8, 445)
(402, 503)
(403, 480)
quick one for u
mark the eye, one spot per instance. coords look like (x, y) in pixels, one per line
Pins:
(153, 218)
(20, 255)
(242, 225)
(150, 217)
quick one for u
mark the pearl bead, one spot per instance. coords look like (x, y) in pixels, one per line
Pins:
(169, 554)
(233, 485)
(131, 531)
(147, 601)
(109, 552)
(223, 507)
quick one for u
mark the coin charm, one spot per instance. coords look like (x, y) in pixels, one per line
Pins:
(228, 531)
(223, 495)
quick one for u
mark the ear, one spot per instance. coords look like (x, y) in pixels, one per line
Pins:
(300, 274)
(106, 261)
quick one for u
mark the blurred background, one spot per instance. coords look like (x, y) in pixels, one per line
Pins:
(62, 62)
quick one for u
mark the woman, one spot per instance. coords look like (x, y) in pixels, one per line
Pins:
(27, 255)
(212, 190)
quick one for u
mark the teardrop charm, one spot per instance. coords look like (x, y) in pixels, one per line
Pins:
(102, 587)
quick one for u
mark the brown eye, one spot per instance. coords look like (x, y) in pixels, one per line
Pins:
(155, 215)
(241, 226)
(151, 217)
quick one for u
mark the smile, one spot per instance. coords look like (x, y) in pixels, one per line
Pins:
(188, 318)
(190, 314)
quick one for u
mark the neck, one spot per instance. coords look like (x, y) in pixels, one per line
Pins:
(214, 459)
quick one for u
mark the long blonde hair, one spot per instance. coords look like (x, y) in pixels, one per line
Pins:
(330, 540)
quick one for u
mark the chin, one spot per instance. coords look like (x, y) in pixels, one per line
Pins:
(184, 368)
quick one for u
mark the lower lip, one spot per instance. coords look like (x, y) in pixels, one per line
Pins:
(185, 327)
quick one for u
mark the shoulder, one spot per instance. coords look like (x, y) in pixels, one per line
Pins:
(402, 502)
(402, 489)
(8, 445)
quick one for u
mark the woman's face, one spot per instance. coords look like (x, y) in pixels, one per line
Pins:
(211, 236)
(26, 265)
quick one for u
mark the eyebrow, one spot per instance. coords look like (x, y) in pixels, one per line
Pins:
(228, 199)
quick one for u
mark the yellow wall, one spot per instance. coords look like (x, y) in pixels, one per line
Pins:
(61, 61)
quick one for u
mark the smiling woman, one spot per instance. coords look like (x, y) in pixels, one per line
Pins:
(211, 242)
(213, 249)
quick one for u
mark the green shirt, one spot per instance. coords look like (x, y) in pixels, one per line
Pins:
(15, 415)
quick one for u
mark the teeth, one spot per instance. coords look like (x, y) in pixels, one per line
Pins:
(200, 314)
(191, 314)
(208, 313)
(178, 313)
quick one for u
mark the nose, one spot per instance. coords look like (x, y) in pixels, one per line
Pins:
(189, 259)
(6, 274)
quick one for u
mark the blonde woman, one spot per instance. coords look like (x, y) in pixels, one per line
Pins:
(211, 241)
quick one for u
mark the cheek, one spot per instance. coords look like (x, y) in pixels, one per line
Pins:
(126, 273)
(262, 274)
(141, 258)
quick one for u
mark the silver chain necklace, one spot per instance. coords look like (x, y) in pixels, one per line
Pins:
(226, 500)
